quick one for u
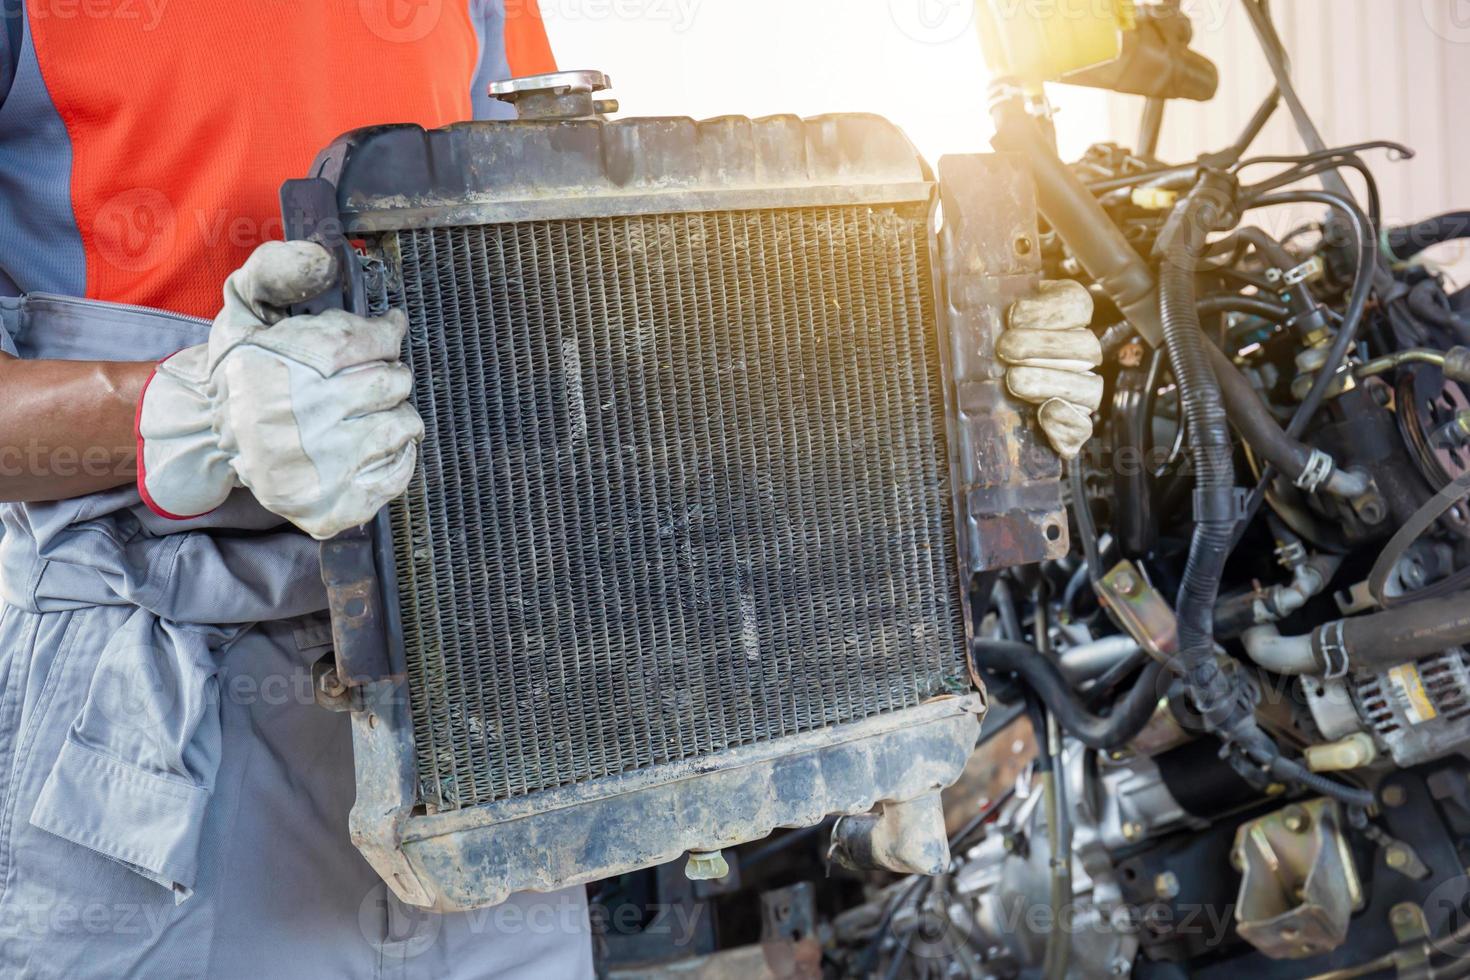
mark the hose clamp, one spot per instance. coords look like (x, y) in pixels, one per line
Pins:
(1319, 467)
(1333, 647)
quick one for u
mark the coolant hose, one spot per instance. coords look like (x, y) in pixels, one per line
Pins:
(1386, 639)
(1074, 213)
(1131, 712)
(1370, 643)
(1253, 421)
(1211, 450)
(1407, 241)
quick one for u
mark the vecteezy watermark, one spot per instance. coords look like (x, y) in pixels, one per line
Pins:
(401, 21)
(933, 21)
(135, 230)
(678, 14)
(144, 922)
(1449, 19)
(937, 933)
(389, 925)
(145, 14)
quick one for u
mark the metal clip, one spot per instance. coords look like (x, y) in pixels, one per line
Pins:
(1334, 650)
(1319, 467)
(1309, 269)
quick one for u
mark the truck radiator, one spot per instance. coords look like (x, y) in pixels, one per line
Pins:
(684, 488)
(716, 443)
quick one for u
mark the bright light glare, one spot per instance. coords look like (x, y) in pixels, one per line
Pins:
(916, 62)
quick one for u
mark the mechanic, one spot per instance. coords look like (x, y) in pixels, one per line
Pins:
(172, 802)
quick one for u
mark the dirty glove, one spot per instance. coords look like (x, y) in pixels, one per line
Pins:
(310, 413)
(1051, 352)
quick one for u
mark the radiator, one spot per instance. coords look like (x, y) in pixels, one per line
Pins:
(682, 560)
(694, 471)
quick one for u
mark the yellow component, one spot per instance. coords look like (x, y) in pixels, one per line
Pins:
(1154, 198)
(1353, 752)
(1041, 42)
(1417, 704)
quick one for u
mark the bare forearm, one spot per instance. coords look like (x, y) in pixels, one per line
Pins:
(66, 427)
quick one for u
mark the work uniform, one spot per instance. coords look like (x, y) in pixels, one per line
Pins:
(172, 801)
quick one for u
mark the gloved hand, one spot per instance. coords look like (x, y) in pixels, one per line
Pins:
(308, 412)
(1051, 352)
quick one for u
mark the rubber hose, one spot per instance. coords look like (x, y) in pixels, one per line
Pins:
(1428, 303)
(1253, 421)
(1407, 241)
(1069, 207)
(1274, 252)
(1235, 303)
(1130, 713)
(1386, 639)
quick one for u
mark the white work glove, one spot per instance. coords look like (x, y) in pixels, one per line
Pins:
(1051, 352)
(308, 412)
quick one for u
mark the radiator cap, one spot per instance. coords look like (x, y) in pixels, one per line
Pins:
(556, 95)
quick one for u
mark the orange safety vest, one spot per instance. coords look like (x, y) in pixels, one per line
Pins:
(180, 120)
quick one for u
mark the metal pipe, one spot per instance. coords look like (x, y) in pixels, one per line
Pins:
(1150, 125)
(1088, 661)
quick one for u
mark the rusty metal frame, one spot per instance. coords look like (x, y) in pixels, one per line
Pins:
(1007, 480)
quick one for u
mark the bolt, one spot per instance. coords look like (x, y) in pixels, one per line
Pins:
(1166, 885)
(1397, 858)
(1125, 583)
(331, 685)
(1403, 913)
(1296, 820)
(1132, 831)
(1120, 967)
(1275, 789)
(1394, 795)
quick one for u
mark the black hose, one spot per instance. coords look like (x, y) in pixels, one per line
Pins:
(1086, 526)
(1427, 302)
(1346, 334)
(1407, 241)
(1352, 317)
(1069, 207)
(1386, 639)
(1236, 303)
(1005, 607)
(1041, 674)
(1253, 420)
(1302, 301)
(1211, 450)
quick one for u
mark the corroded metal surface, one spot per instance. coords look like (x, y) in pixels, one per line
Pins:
(1009, 491)
(577, 834)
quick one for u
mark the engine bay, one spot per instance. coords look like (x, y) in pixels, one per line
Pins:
(1239, 706)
